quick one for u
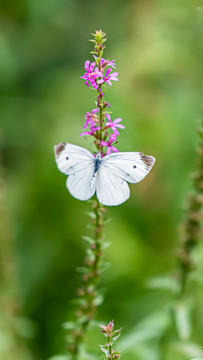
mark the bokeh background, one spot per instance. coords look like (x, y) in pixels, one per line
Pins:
(157, 45)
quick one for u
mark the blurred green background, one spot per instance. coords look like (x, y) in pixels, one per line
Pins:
(157, 45)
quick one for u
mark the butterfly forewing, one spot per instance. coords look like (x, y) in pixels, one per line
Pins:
(78, 163)
(72, 158)
(130, 166)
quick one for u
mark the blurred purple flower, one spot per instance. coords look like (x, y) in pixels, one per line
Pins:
(114, 125)
(104, 62)
(92, 130)
(89, 118)
(108, 77)
(112, 138)
(91, 74)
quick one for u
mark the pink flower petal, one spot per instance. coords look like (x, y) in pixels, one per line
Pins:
(92, 66)
(114, 149)
(103, 143)
(117, 120)
(112, 138)
(115, 131)
(108, 151)
(109, 82)
(107, 72)
(85, 133)
(114, 75)
(101, 81)
(87, 65)
(108, 117)
(97, 128)
(94, 111)
(120, 126)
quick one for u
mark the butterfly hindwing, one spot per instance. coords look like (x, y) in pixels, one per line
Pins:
(111, 189)
(79, 183)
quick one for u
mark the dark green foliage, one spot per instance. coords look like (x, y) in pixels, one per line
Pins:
(158, 50)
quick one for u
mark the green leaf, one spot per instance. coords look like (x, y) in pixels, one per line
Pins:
(105, 245)
(90, 254)
(79, 301)
(68, 325)
(105, 349)
(143, 351)
(105, 266)
(182, 313)
(82, 269)
(84, 355)
(83, 319)
(116, 337)
(163, 283)
(91, 214)
(151, 327)
(188, 349)
(98, 300)
(60, 357)
(88, 239)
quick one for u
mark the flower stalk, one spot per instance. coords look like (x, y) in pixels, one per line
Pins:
(111, 335)
(99, 75)
(192, 226)
(89, 297)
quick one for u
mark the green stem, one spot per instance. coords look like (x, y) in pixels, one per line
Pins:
(109, 345)
(88, 293)
(112, 336)
(192, 226)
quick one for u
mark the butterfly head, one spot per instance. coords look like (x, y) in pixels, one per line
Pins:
(98, 156)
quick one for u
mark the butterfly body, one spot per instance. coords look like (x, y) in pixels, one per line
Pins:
(107, 176)
(97, 163)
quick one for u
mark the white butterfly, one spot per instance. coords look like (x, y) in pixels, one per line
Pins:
(108, 176)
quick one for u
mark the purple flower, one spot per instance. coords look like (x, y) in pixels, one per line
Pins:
(90, 118)
(111, 63)
(92, 130)
(112, 138)
(113, 125)
(108, 77)
(91, 74)
(104, 62)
